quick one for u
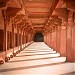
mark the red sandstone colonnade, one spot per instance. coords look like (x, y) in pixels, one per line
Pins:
(20, 21)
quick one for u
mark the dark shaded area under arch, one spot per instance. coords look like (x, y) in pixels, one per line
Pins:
(38, 37)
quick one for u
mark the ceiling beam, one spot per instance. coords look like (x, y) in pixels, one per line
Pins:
(38, 12)
(40, 1)
(37, 6)
(38, 16)
(55, 2)
(38, 23)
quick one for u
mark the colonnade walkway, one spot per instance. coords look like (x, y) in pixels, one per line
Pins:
(37, 59)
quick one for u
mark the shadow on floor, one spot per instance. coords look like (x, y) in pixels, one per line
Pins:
(29, 67)
(71, 73)
(35, 54)
(35, 51)
(32, 59)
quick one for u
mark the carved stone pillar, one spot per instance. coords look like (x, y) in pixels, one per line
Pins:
(70, 50)
(18, 37)
(55, 38)
(58, 37)
(5, 31)
(49, 38)
(13, 41)
(21, 39)
(63, 41)
(73, 39)
(25, 39)
(8, 40)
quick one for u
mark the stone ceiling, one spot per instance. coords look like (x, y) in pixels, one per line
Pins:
(38, 11)
(40, 15)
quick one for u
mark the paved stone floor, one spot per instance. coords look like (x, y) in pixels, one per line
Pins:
(38, 59)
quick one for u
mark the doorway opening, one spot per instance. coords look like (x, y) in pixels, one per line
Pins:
(38, 37)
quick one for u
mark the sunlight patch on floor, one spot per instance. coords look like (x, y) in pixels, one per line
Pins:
(37, 59)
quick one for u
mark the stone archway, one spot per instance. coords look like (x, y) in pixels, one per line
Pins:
(38, 37)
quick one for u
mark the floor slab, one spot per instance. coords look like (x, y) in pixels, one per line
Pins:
(38, 59)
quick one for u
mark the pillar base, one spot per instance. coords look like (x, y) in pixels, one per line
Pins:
(6, 59)
(14, 54)
(62, 54)
(70, 59)
(11, 56)
(1, 62)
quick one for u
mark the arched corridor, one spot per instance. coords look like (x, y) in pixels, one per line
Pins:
(37, 37)
(37, 60)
